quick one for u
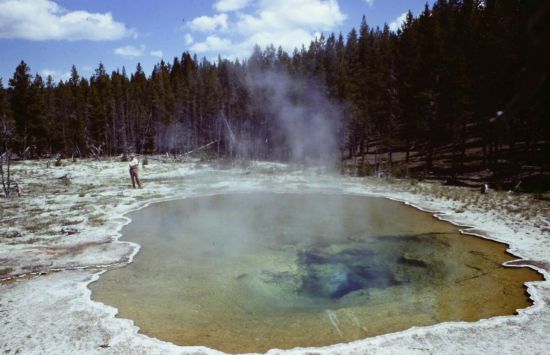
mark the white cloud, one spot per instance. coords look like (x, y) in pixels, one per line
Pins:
(288, 23)
(289, 40)
(55, 74)
(42, 20)
(285, 23)
(230, 5)
(130, 51)
(209, 24)
(398, 22)
(292, 14)
(212, 44)
(370, 2)
(157, 54)
(188, 39)
(48, 72)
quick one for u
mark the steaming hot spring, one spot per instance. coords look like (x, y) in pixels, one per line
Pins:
(248, 272)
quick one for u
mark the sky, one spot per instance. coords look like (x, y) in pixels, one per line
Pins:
(52, 35)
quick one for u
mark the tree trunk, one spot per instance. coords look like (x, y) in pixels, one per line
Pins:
(408, 150)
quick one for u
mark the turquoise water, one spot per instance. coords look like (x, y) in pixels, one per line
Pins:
(250, 272)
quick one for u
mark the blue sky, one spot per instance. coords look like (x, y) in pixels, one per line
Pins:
(52, 35)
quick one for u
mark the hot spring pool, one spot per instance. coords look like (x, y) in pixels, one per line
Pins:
(251, 272)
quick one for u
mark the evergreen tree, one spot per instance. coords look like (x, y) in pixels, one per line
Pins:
(6, 121)
(353, 93)
(100, 105)
(20, 90)
(76, 125)
(54, 129)
(407, 62)
(37, 109)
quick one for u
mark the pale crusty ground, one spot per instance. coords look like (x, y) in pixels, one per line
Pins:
(45, 305)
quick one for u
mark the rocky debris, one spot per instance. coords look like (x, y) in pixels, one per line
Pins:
(69, 231)
(13, 235)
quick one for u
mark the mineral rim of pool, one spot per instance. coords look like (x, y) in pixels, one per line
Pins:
(251, 272)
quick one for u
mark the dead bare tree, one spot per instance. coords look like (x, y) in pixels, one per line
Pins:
(6, 181)
(76, 153)
(96, 151)
(6, 134)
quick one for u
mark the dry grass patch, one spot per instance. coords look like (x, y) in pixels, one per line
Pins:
(71, 222)
(5, 271)
(35, 227)
(10, 234)
(97, 220)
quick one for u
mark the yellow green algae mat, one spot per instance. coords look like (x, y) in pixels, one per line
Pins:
(251, 272)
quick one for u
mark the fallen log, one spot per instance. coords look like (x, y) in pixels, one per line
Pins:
(201, 147)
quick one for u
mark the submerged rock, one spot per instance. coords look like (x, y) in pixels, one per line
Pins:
(411, 262)
(335, 275)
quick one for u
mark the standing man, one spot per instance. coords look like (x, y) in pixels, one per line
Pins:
(134, 163)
